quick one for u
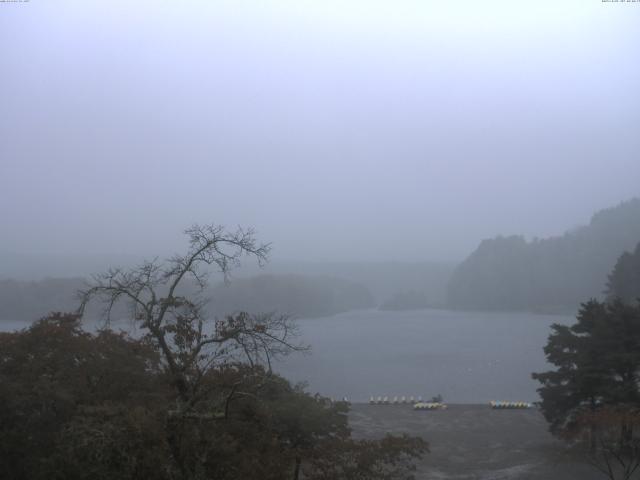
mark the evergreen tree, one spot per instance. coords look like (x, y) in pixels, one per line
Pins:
(596, 377)
(624, 281)
(580, 381)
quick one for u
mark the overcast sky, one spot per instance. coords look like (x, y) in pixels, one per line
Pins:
(347, 130)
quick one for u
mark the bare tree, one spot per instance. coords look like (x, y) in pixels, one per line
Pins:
(195, 348)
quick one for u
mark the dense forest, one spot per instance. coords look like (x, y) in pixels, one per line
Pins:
(511, 273)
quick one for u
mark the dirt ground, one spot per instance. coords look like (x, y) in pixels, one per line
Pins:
(475, 442)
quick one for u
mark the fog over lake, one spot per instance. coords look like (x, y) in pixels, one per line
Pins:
(467, 357)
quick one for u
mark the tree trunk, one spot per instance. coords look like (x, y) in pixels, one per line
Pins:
(593, 430)
(173, 440)
(296, 471)
(593, 438)
(626, 434)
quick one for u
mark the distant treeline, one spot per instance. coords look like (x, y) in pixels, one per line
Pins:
(296, 295)
(385, 280)
(510, 273)
(503, 273)
(300, 289)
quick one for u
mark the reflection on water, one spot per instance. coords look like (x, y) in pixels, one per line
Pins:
(467, 357)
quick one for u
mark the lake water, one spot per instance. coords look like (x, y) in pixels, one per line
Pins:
(467, 357)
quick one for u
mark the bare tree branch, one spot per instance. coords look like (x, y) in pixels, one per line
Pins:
(191, 344)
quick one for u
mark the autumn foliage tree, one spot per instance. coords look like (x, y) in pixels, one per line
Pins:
(74, 404)
(188, 397)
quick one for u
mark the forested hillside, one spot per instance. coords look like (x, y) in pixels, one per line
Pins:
(557, 273)
(624, 281)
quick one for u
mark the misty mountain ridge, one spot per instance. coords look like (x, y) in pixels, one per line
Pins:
(503, 273)
(295, 295)
(557, 273)
(384, 279)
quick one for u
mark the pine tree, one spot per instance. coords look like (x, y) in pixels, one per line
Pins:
(624, 281)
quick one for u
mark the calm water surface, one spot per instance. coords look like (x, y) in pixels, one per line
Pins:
(467, 357)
